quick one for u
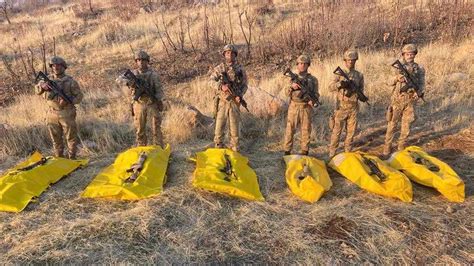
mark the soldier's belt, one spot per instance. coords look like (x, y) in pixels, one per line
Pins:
(58, 109)
(347, 105)
(298, 103)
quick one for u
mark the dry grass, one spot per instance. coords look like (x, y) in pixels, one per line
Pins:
(183, 225)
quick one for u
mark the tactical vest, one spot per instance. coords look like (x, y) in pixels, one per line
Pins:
(145, 79)
(307, 83)
(65, 83)
(352, 101)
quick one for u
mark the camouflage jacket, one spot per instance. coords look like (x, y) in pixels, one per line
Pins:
(312, 86)
(343, 101)
(236, 74)
(150, 80)
(70, 88)
(418, 74)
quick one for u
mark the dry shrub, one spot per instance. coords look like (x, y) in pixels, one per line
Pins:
(182, 123)
(332, 27)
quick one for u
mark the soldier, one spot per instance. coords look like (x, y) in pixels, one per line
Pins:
(149, 103)
(61, 117)
(227, 105)
(347, 105)
(401, 107)
(300, 109)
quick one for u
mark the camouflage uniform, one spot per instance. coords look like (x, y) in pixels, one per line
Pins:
(402, 103)
(300, 112)
(347, 107)
(228, 110)
(146, 105)
(61, 118)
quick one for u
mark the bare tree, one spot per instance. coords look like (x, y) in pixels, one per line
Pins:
(43, 46)
(189, 33)
(90, 6)
(167, 34)
(31, 60)
(250, 19)
(6, 7)
(161, 37)
(231, 37)
(206, 28)
(181, 33)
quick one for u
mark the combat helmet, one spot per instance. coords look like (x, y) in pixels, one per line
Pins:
(410, 48)
(56, 60)
(230, 47)
(142, 55)
(303, 59)
(351, 55)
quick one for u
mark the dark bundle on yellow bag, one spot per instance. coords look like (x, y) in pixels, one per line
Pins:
(226, 171)
(137, 173)
(372, 174)
(429, 171)
(307, 177)
(31, 178)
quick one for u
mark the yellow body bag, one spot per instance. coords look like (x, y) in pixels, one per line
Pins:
(30, 178)
(226, 171)
(112, 182)
(427, 170)
(306, 177)
(362, 169)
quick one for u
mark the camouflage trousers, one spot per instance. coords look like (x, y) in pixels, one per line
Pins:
(298, 113)
(227, 112)
(63, 122)
(141, 112)
(347, 118)
(404, 112)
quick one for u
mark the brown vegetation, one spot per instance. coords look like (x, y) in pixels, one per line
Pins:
(183, 225)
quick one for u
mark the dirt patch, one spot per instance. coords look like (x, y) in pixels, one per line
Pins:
(336, 228)
(462, 141)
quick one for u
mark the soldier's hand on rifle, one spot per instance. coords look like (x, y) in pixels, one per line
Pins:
(311, 103)
(237, 99)
(62, 102)
(131, 83)
(344, 84)
(402, 78)
(415, 97)
(295, 86)
(225, 87)
(44, 85)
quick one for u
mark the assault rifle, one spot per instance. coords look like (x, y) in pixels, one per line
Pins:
(306, 172)
(227, 170)
(53, 86)
(418, 159)
(353, 88)
(304, 93)
(42, 161)
(410, 82)
(136, 168)
(138, 84)
(374, 170)
(225, 80)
